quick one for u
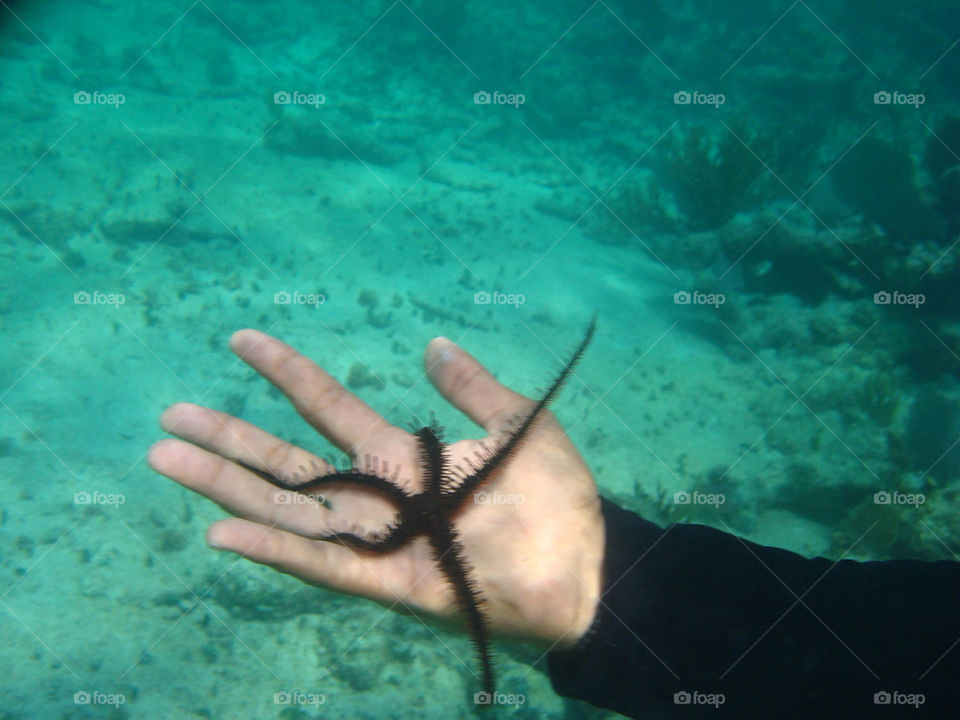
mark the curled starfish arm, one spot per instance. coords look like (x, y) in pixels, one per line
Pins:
(395, 536)
(354, 477)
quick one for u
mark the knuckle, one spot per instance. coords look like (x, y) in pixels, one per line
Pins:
(322, 399)
(220, 472)
(463, 378)
(278, 456)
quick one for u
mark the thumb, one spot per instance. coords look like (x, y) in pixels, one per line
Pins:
(469, 386)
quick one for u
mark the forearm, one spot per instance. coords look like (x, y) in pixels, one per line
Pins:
(692, 609)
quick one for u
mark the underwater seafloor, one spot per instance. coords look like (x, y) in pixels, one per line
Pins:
(760, 200)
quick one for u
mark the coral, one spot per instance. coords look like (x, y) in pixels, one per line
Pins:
(881, 530)
(713, 178)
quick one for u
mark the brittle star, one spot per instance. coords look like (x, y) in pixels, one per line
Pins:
(430, 511)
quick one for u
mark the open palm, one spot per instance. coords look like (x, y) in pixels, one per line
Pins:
(536, 547)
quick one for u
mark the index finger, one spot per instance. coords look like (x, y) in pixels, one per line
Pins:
(342, 417)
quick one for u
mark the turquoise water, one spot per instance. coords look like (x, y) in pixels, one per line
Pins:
(760, 200)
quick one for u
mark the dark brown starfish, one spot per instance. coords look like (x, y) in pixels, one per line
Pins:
(430, 512)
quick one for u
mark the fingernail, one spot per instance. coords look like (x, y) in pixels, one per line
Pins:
(212, 542)
(445, 353)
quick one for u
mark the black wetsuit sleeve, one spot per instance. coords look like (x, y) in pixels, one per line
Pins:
(695, 622)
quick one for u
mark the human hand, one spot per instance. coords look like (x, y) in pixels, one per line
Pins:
(537, 560)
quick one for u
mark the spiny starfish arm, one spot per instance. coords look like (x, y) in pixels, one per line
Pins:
(453, 564)
(364, 479)
(489, 462)
(396, 537)
(361, 479)
(433, 459)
